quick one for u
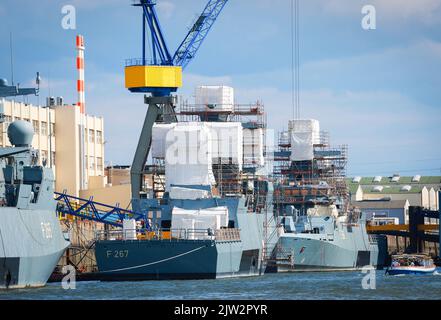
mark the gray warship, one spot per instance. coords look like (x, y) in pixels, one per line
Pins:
(31, 240)
(206, 220)
(318, 228)
(327, 241)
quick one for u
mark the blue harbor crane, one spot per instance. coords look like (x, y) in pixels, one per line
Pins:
(161, 76)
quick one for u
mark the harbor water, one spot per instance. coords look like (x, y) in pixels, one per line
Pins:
(294, 286)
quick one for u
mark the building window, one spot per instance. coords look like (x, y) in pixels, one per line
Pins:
(8, 120)
(91, 136)
(52, 129)
(52, 158)
(36, 126)
(99, 137)
(99, 165)
(44, 157)
(28, 120)
(92, 163)
(44, 128)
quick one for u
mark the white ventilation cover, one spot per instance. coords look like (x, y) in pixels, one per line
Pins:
(310, 126)
(188, 193)
(406, 188)
(159, 135)
(214, 98)
(378, 178)
(227, 141)
(356, 179)
(377, 188)
(416, 178)
(188, 158)
(129, 229)
(185, 221)
(395, 178)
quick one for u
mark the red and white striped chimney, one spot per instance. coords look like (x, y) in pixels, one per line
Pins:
(80, 67)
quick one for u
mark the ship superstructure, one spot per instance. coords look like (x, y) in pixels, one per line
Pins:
(318, 228)
(31, 240)
(210, 198)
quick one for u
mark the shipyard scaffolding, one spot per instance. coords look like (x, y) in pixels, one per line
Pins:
(233, 176)
(305, 183)
(304, 179)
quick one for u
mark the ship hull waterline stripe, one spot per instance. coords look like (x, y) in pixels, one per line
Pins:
(156, 262)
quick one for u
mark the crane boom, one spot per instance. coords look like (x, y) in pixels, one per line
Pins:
(159, 45)
(197, 33)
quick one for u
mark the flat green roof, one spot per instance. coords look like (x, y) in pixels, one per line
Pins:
(392, 189)
(402, 181)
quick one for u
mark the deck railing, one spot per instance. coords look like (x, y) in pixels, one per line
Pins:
(169, 234)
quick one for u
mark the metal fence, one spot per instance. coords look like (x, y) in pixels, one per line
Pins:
(169, 234)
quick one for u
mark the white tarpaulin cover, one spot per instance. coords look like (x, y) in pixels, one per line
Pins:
(215, 98)
(159, 135)
(306, 125)
(129, 229)
(227, 141)
(205, 222)
(188, 159)
(301, 146)
(188, 193)
(303, 135)
(183, 227)
(253, 147)
(203, 219)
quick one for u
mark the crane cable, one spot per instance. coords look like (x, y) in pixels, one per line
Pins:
(295, 58)
(298, 56)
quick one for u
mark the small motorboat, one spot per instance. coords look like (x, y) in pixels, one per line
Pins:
(411, 264)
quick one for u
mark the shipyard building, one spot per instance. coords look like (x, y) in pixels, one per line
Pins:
(389, 198)
(57, 138)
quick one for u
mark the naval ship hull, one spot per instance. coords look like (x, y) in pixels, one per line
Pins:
(122, 260)
(318, 253)
(180, 259)
(31, 244)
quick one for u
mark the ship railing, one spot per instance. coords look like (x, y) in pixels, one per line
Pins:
(174, 234)
(350, 224)
(373, 238)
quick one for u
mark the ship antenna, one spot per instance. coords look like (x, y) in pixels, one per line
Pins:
(12, 59)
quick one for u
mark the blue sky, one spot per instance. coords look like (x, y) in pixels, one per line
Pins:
(377, 91)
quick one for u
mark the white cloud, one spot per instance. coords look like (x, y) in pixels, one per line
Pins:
(92, 4)
(191, 81)
(425, 11)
